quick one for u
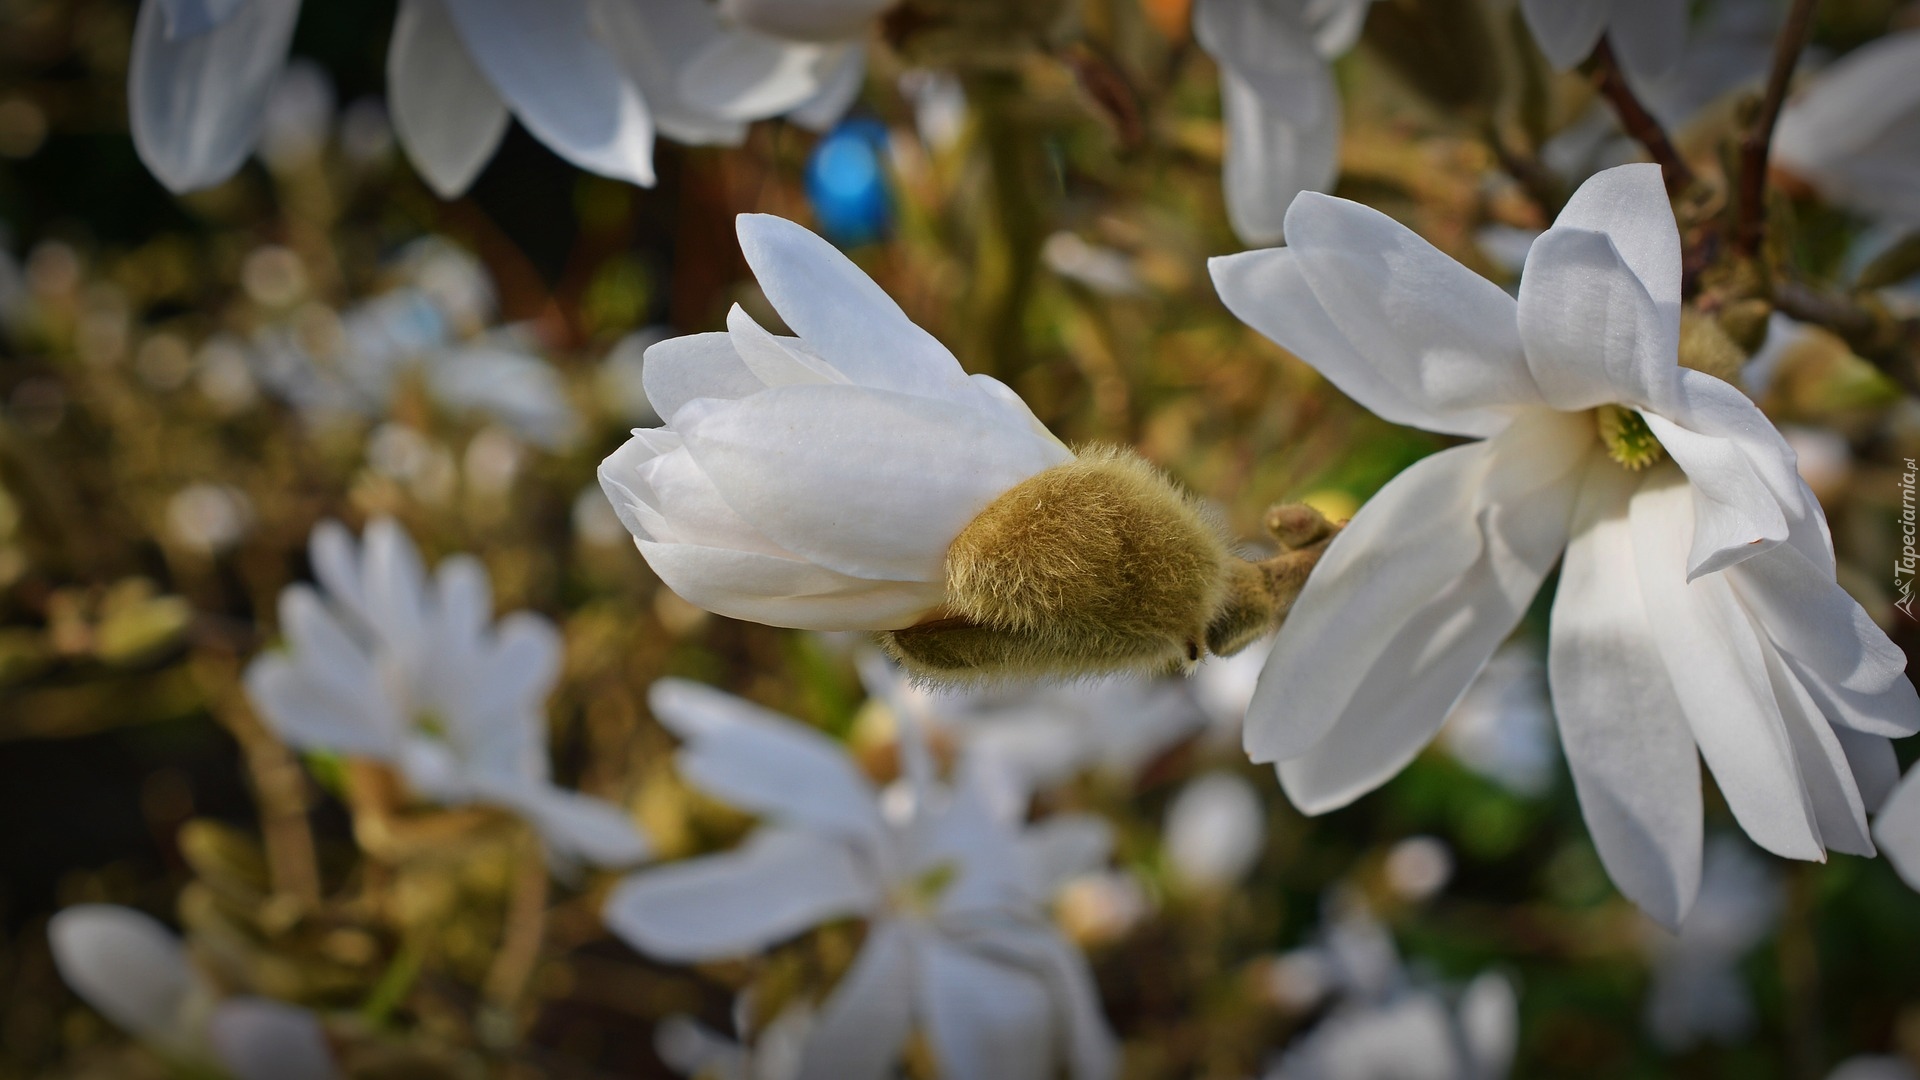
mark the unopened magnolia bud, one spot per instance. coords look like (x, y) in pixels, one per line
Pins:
(1099, 564)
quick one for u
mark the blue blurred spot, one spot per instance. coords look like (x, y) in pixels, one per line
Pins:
(847, 183)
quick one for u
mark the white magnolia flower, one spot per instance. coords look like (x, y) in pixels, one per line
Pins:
(1697, 607)
(391, 664)
(816, 481)
(804, 59)
(136, 972)
(1698, 991)
(957, 944)
(1277, 99)
(1214, 831)
(1648, 36)
(1854, 134)
(592, 79)
(1502, 727)
(1384, 1024)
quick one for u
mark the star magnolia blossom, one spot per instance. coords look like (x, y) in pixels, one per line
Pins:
(391, 665)
(1855, 133)
(1697, 606)
(594, 80)
(816, 481)
(957, 942)
(1278, 100)
(1648, 36)
(136, 972)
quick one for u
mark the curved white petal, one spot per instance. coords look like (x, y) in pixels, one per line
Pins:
(653, 40)
(1628, 203)
(1092, 1052)
(196, 103)
(860, 1031)
(773, 360)
(1566, 30)
(335, 558)
(1440, 334)
(1839, 811)
(1593, 334)
(309, 713)
(1875, 768)
(262, 1039)
(395, 580)
(765, 763)
(841, 315)
(863, 481)
(688, 509)
(678, 370)
(128, 966)
(1407, 605)
(777, 884)
(985, 1020)
(1627, 743)
(1272, 156)
(576, 826)
(744, 75)
(1855, 674)
(840, 85)
(1719, 675)
(1271, 48)
(788, 592)
(1897, 829)
(559, 79)
(445, 114)
(806, 20)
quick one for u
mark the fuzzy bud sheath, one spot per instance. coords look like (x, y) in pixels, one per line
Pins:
(1100, 565)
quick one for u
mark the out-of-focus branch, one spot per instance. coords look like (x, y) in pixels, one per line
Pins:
(1888, 341)
(1527, 170)
(1639, 123)
(1750, 227)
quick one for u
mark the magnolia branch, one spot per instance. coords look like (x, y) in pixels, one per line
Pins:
(1888, 341)
(1638, 122)
(1751, 225)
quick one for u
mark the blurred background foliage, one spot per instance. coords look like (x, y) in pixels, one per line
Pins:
(1047, 213)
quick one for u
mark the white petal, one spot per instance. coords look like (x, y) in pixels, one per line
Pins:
(1273, 155)
(1092, 1052)
(261, 1039)
(561, 82)
(842, 315)
(196, 103)
(1650, 36)
(1839, 812)
(445, 113)
(840, 85)
(777, 884)
(1442, 336)
(788, 592)
(806, 20)
(1897, 829)
(1875, 768)
(863, 1026)
(688, 509)
(744, 75)
(1271, 49)
(1408, 604)
(1593, 334)
(776, 361)
(1267, 291)
(309, 714)
(1567, 30)
(577, 826)
(1747, 495)
(985, 1021)
(1719, 675)
(1856, 129)
(1626, 738)
(653, 40)
(766, 763)
(395, 580)
(336, 563)
(1628, 203)
(871, 483)
(1490, 1024)
(681, 369)
(1849, 666)
(128, 966)
(1062, 847)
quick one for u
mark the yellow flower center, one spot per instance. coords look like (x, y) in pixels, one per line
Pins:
(1627, 438)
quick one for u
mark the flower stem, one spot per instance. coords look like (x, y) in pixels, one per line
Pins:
(1750, 227)
(1612, 83)
(520, 944)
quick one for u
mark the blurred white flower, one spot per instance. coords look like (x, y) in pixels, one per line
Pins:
(391, 664)
(1854, 133)
(1383, 1024)
(1648, 36)
(957, 944)
(695, 1050)
(1214, 831)
(1697, 610)
(1101, 269)
(804, 59)
(1418, 867)
(816, 481)
(208, 518)
(138, 975)
(1278, 100)
(1502, 727)
(1698, 992)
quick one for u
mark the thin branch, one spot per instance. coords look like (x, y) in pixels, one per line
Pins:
(1887, 341)
(1750, 229)
(1640, 123)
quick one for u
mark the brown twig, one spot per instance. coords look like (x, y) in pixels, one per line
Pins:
(1638, 122)
(520, 942)
(1750, 228)
(1887, 341)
